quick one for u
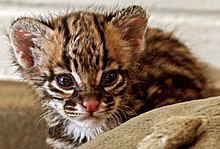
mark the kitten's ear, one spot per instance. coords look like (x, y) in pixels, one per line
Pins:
(132, 22)
(28, 38)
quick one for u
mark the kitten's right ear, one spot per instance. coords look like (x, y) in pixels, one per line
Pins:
(28, 38)
(132, 23)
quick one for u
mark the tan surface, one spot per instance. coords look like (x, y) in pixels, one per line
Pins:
(20, 124)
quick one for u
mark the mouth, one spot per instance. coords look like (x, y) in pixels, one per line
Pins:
(91, 116)
(89, 121)
(88, 116)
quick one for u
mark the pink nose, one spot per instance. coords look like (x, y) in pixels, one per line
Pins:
(91, 106)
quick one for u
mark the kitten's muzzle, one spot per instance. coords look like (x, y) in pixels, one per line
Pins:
(91, 106)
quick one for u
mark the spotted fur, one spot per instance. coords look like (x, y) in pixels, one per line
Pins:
(150, 68)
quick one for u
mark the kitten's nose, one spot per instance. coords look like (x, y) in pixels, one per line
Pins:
(91, 106)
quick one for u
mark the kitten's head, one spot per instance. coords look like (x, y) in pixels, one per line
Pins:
(81, 64)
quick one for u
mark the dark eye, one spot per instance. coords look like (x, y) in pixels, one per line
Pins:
(110, 78)
(65, 81)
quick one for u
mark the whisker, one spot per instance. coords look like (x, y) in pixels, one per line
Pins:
(127, 108)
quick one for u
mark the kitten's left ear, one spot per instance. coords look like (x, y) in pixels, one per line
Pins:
(28, 38)
(132, 23)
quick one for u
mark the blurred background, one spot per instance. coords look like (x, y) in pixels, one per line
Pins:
(196, 23)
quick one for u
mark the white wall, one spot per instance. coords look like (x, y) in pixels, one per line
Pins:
(195, 22)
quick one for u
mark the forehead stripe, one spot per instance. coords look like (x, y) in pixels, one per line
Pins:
(100, 26)
(75, 63)
(66, 61)
(66, 30)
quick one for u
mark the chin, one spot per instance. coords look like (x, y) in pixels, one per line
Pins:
(87, 128)
(89, 122)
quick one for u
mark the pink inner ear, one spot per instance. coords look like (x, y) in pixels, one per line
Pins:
(23, 43)
(135, 30)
